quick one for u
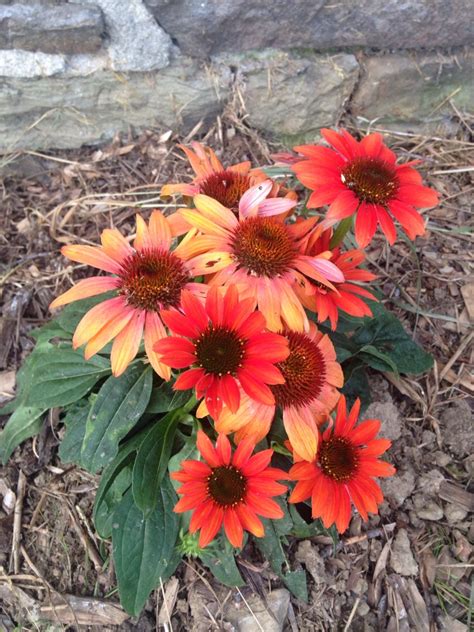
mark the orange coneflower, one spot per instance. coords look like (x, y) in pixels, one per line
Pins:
(308, 394)
(327, 303)
(227, 345)
(343, 469)
(148, 278)
(225, 185)
(230, 490)
(258, 252)
(363, 178)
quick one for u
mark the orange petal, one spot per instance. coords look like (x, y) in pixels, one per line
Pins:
(92, 256)
(115, 244)
(126, 344)
(154, 331)
(250, 521)
(85, 289)
(211, 527)
(205, 447)
(108, 331)
(93, 321)
(233, 527)
(160, 230)
(302, 432)
(142, 239)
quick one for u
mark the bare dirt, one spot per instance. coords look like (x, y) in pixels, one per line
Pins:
(410, 568)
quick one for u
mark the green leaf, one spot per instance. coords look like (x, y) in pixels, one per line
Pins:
(221, 562)
(303, 529)
(143, 548)
(164, 399)
(104, 511)
(49, 331)
(75, 422)
(386, 334)
(24, 423)
(152, 460)
(61, 376)
(356, 385)
(124, 459)
(120, 403)
(296, 582)
(69, 317)
(376, 359)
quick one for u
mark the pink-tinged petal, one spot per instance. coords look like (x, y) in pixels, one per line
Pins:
(365, 224)
(154, 330)
(92, 256)
(188, 379)
(127, 343)
(176, 222)
(207, 450)
(343, 206)
(387, 225)
(108, 332)
(223, 449)
(411, 221)
(230, 306)
(275, 206)
(115, 245)
(328, 269)
(254, 196)
(230, 393)
(233, 528)
(422, 197)
(85, 289)
(180, 189)
(93, 321)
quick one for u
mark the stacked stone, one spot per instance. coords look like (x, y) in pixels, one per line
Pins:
(76, 72)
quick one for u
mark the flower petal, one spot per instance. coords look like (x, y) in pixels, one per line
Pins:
(85, 289)
(127, 343)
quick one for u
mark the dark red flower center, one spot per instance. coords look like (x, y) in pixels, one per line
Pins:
(152, 279)
(338, 459)
(219, 350)
(227, 187)
(304, 371)
(371, 179)
(263, 246)
(226, 485)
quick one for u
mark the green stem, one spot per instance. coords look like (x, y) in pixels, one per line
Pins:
(341, 231)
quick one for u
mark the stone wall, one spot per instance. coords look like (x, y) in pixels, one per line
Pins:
(76, 72)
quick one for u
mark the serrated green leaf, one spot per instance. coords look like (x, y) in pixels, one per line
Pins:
(62, 376)
(152, 460)
(120, 403)
(143, 548)
(75, 422)
(24, 423)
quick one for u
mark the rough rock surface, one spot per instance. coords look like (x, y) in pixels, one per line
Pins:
(388, 414)
(397, 488)
(136, 40)
(401, 556)
(58, 112)
(68, 28)
(245, 621)
(411, 90)
(206, 27)
(300, 93)
(458, 428)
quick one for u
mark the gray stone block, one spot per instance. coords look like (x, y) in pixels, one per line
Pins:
(291, 95)
(207, 27)
(66, 29)
(65, 112)
(411, 91)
